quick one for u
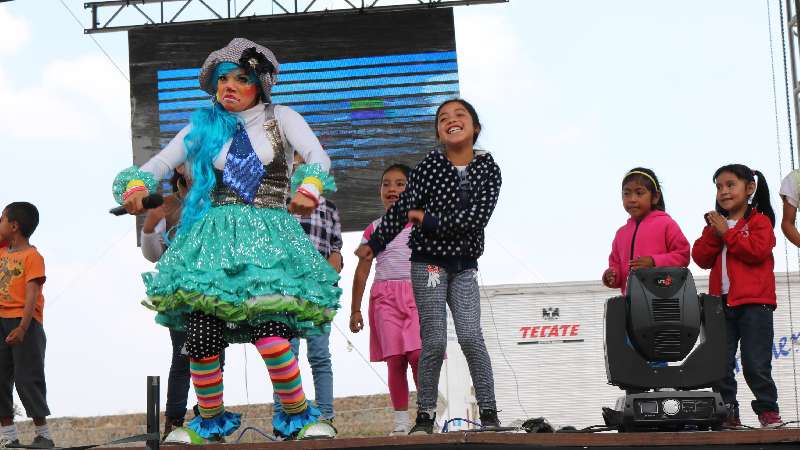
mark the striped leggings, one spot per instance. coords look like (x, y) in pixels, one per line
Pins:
(434, 288)
(205, 340)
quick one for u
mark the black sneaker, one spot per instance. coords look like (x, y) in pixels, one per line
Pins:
(424, 424)
(8, 443)
(42, 442)
(732, 421)
(280, 436)
(489, 418)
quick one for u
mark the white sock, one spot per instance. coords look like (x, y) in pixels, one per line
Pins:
(43, 431)
(401, 418)
(9, 432)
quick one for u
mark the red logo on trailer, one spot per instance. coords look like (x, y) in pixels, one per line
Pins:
(550, 331)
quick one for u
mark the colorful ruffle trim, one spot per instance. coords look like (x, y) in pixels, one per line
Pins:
(218, 426)
(289, 424)
(313, 171)
(305, 317)
(120, 184)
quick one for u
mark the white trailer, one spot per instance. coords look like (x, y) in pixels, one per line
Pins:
(546, 345)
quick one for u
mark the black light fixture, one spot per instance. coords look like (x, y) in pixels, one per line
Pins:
(659, 322)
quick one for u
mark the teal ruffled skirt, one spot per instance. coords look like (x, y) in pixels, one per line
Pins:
(244, 265)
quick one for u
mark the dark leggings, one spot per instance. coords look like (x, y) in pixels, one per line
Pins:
(205, 334)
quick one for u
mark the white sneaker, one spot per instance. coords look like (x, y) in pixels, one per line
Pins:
(323, 429)
(186, 436)
(400, 429)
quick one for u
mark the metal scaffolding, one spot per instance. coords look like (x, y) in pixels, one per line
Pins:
(792, 7)
(160, 13)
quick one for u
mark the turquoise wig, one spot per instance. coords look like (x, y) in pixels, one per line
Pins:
(212, 127)
(225, 67)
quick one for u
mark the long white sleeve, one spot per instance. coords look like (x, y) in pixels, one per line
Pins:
(301, 138)
(297, 132)
(153, 243)
(170, 157)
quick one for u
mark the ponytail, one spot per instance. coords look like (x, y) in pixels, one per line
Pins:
(760, 200)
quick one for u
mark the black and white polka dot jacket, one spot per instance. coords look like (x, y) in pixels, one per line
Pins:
(456, 211)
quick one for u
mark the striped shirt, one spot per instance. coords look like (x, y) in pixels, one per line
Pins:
(392, 263)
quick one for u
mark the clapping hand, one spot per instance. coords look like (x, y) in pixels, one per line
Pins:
(718, 222)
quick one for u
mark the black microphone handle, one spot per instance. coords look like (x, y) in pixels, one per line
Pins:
(118, 211)
(149, 202)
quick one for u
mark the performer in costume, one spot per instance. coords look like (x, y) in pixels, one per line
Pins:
(240, 268)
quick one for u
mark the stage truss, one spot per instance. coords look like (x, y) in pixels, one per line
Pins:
(792, 8)
(122, 15)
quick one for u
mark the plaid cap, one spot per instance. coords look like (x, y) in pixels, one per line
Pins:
(233, 53)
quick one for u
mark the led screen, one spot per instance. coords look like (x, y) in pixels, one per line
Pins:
(367, 84)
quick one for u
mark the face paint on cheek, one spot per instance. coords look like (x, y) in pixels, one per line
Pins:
(250, 90)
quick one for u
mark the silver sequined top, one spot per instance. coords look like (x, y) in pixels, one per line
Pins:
(274, 187)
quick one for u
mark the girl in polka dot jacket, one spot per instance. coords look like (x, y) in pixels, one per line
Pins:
(449, 198)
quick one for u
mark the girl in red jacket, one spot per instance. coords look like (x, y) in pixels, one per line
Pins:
(737, 246)
(650, 238)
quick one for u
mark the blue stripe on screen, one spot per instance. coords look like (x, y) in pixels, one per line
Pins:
(348, 163)
(331, 63)
(330, 74)
(327, 85)
(392, 116)
(365, 93)
(330, 96)
(368, 61)
(367, 71)
(338, 106)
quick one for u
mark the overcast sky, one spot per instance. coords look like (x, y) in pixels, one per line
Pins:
(572, 94)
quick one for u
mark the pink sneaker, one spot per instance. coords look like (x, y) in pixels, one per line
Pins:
(770, 419)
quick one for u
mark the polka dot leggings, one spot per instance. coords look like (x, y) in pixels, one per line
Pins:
(205, 337)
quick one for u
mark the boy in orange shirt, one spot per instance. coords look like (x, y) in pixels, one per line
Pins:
(22, 338)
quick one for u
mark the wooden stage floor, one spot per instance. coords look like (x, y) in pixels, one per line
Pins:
(786, 438)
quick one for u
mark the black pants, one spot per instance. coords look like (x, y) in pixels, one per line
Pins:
(23, 365)
(750, 326)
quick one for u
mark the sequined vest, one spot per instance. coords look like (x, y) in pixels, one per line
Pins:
(274, 187)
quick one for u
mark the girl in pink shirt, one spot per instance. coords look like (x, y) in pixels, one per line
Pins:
(393, 318)
(650, 238)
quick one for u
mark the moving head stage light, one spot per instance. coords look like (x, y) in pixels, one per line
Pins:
(656, 323)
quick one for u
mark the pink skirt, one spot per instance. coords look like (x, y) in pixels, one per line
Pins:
(393, 320)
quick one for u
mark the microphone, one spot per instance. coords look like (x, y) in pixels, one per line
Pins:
(149, 202)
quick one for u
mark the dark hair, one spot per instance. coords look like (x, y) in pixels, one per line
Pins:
(760, 200)
(177, 180)
(25, 214)
(476, 121)
(638, 174)
(399, 167)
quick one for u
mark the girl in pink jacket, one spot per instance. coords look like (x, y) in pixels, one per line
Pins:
(650, 238)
